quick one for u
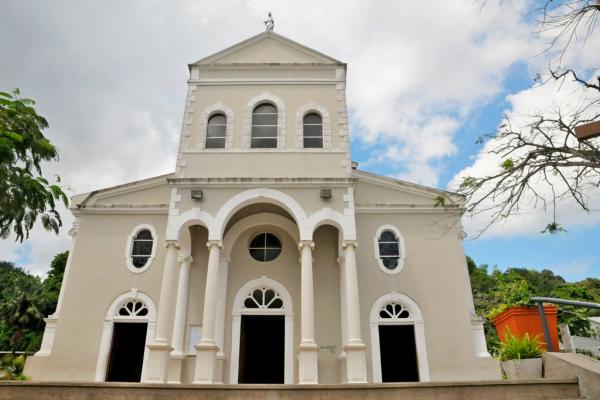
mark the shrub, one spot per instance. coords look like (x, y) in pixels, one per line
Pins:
(519, 348)
(13, 368)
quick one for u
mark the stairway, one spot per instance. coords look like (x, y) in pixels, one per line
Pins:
(546, 389)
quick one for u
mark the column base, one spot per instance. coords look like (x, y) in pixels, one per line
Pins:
(308, 357)
(175, 364)
(157, 368)
(356, 362)
(206, 360)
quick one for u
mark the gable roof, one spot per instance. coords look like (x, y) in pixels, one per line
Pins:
(397, 184)
(314, 56)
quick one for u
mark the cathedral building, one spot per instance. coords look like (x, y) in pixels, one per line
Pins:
(267, 256)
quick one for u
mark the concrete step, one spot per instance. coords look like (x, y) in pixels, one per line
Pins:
(544, 389)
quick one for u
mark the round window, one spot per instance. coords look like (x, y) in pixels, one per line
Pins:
(265, 247)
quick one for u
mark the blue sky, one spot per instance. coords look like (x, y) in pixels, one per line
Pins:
(425, 79)
(575, 254)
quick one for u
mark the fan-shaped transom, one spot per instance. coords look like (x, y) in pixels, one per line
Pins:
(263, 299)
(133, 308)
(394, 311)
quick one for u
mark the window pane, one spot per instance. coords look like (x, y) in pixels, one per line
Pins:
(263, 143)
(388, 249)
(265, 108)
(277, 303)
(313, 131)
(145, 234)
(388, 236)
(390, 262)
(313, 143)
(215, 143)
(272, 241)
(258, 254)
(269, 295)
(264, 119)
(312, 118)
(217, 119)
(142, 248)
(271, 254)
(215, 131)
(139, 262)
(258, 241)
(249, 303)
(264, 131)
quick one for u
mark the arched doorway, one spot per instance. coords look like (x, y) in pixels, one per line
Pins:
(128, 327)
(262, 334)
(398, 347)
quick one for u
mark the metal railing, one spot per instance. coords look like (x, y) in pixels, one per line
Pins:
(540, 304)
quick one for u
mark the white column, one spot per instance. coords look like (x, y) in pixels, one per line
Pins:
(308, 350)
(207, 348)
(156, 369)
(220, 318)
(356, 368)
(181, 307)
(343, 324)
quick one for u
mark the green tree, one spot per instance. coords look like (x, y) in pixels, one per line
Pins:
(26, 194)
(53, 282)
(14, 282)
(22, 313)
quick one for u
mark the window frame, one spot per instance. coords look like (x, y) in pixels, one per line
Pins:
(276, 125)
(129, 248)
(401, 249)
(304, 124)
(254, 236)
(208, 125)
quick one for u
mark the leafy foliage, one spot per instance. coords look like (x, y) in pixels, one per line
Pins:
(12, 367)
(26, 194)
(494, 292)
(520, 348)
(24, 301)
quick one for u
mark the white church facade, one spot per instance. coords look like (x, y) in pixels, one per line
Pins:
(267, 256)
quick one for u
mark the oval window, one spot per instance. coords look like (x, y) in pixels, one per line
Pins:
(265, 247)
(142, 248)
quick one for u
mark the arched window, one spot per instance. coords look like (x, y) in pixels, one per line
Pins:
(216, 132)
(141, 251)
(389, 249)
(133, 308)
(313, 131)
(263, 298)
(264, 127)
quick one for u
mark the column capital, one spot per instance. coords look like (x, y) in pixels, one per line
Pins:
(347, 243)
(212, 243)
(184, 259)
(304, 243)
(173, 243)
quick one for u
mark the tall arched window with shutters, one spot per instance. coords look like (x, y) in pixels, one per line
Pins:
(313, 131)
(216, 132)
(264, 127)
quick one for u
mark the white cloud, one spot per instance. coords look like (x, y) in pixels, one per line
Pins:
(566, 96)
(111, 76)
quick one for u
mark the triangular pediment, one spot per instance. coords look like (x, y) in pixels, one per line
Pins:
(267, 48)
